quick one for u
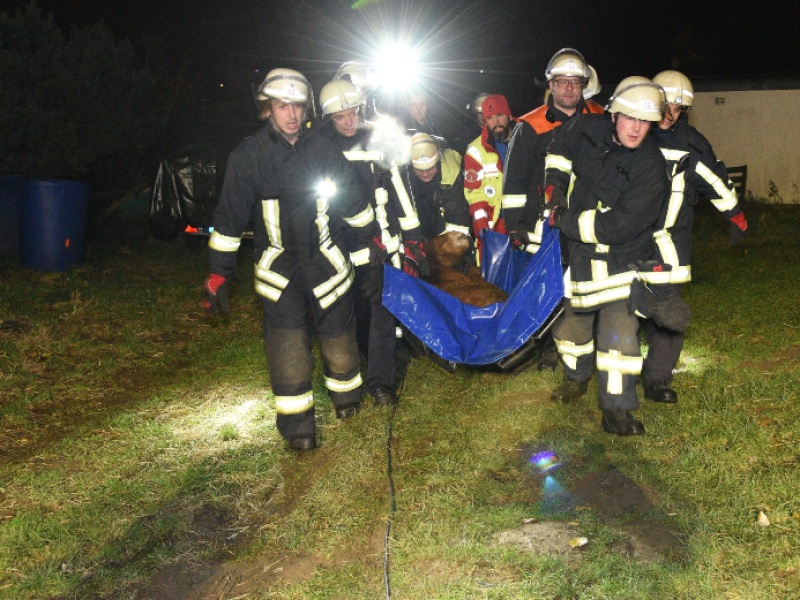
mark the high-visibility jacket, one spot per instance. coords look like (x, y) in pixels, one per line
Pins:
(523, 187)
(440, 202)
(298, 218)
(694, 169)
(394, 209)
(483, 183)
(615, 197)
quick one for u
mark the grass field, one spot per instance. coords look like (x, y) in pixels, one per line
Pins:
(139, 457)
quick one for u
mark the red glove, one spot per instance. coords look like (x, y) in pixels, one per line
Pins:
(480, 216)
(737, 229)
(215, 291)
(415, 262)
(377, 252)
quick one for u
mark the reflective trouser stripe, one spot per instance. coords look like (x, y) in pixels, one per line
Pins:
(224, 243)
(292, 405)
(570, 351)
(337, 385)
(616, 365)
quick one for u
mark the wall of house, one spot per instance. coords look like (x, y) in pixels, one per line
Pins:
(757, 128)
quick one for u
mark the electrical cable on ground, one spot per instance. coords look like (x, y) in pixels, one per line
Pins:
(393, 504)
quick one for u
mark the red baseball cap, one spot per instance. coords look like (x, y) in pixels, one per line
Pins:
(496, 104)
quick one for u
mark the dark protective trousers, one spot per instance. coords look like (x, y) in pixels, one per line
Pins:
(377, 337)
(664, 351)
(289, 326)
(617, 355)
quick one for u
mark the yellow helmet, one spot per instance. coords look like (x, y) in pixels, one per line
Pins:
(284, 84)
(568, 62)
(677, 87)
(359, 75)
(592, 87)
(639, 98)
(424, 152)
(339, 95)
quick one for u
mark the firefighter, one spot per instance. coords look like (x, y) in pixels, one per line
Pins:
(366, 81)
(298, 193)
(695, 169)
(605, 185)
(366, 145)
(483, 167)
(567, 74)
(475, 128)
(436, 182)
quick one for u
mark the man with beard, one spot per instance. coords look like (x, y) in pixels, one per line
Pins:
(483, 167)
(523, 189)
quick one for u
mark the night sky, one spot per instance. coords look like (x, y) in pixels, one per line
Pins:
(234, 43)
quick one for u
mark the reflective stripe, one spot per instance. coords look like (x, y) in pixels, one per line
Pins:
(616, 365)
(727, 197)
(587, 287)
(609, 295)
(586, 226)
(570, 351)
(360, 257)
(514, 200)
(292, 405)
(556, 161)
(363, 155)
(270, 212)
(224, 243)
(267, 291)
(458, 228)
(337, 385)
(411, 219)
(656, 277)
(599, 270)
(666, 247)
(681, 274)
(480, 214)
(362, 219)
(264, 270)
(337, 293)
(491, 170)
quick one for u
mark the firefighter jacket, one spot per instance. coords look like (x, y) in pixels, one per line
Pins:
(440, 202)
(285, 193)
(483, 183)
(695, 170)
(614, 198)
(523, 189)
(394, 210)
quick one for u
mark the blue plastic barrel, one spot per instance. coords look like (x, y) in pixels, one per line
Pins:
(53, 224)
(10, 213)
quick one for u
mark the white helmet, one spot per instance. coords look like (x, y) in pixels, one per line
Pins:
(639, 98)
(284, 84)
(359, 75)
(677, 87)
(476, 105)
(592, 88)
(568, 62)
(424, 152)
(339, 95)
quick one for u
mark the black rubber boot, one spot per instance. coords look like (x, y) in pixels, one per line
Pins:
(621, 422)
(660, 393)
(384, 396)
(302, 442)
(569, 390)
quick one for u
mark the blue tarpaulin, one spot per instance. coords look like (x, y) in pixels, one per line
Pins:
(469, 335)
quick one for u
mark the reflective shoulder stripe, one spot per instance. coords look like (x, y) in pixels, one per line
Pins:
(514, 200)
(224, 243)
(556, 161)
(362, 219)
(363, 155)
(672, 154)
(586, 226)
(337, 385)
(475, 153)
(727, 197)
(458, 228)
(292, 405)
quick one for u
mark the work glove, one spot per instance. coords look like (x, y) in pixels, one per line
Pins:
(415, 262)
(372, 284)
(660, 302)
(519, 238)
(215, 295)
(737, 229)
(553, 198)
(480, 217)
(377, 252)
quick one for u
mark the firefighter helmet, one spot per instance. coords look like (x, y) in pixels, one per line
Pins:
(424, 152)
(359, 75)
(677, 87)
(568, 62)
(592, 87)
(339, 95)
(477, 102)
(284, 84)
(639, 98)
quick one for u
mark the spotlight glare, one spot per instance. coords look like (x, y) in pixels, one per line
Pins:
(396, 67)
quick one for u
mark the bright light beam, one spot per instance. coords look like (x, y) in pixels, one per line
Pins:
(396, 67)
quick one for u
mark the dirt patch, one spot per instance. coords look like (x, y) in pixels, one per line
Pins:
(548, 538)
(776, 363)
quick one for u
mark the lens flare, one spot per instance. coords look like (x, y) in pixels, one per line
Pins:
(545, 461)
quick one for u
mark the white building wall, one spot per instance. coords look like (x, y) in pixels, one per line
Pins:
(757, 128)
